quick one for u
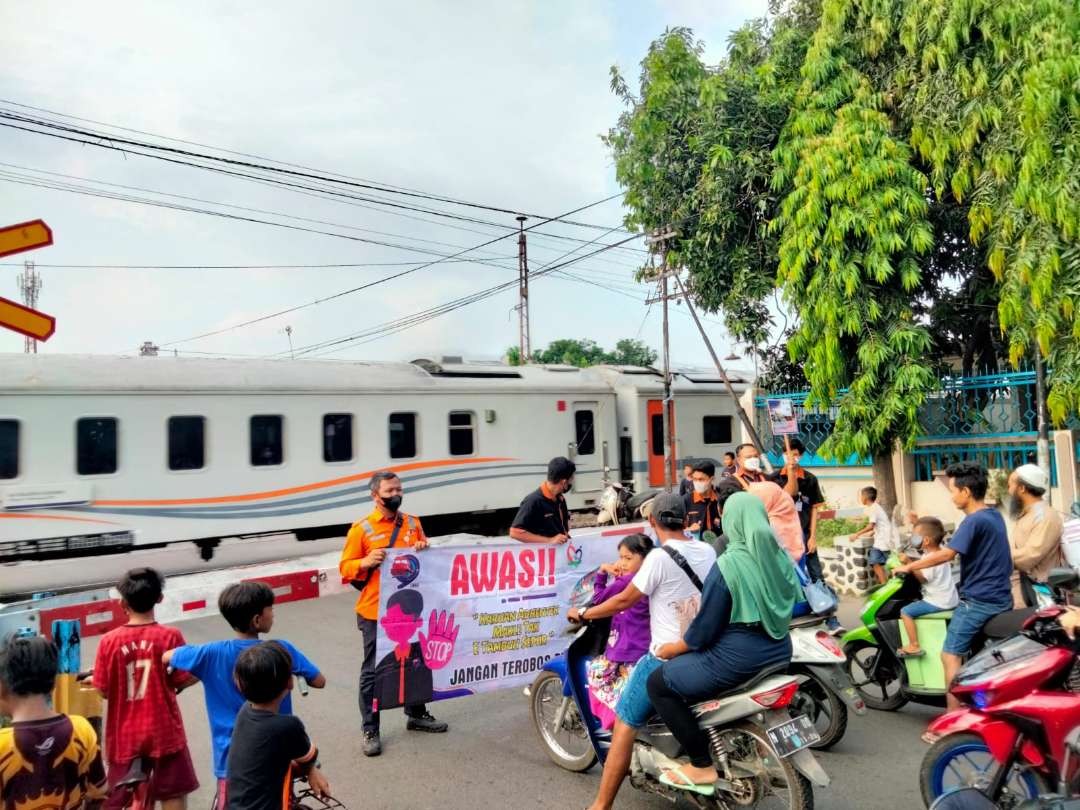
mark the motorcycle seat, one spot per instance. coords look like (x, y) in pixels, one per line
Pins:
(941, 614)
(708, 705)
(808, 620)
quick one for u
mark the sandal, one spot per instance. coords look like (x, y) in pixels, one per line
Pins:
(930, 737)
(905, 652)
(685, 783)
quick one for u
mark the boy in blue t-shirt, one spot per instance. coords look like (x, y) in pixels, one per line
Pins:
(982, 544)
(248, 607)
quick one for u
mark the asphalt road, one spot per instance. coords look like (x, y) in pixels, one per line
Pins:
(492, 757)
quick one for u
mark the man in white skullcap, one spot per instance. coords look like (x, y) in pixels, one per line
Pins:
(1036, 538)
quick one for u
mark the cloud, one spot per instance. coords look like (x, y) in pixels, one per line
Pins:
(494, 102)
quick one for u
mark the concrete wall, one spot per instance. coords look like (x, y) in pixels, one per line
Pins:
(845, 568)
(841, 485)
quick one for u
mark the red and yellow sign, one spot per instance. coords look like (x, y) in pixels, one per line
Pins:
(28, 321)
(24, 236)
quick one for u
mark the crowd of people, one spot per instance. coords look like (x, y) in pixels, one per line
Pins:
(700, 610)
(52, 761)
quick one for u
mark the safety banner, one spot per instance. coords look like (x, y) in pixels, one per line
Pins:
(457, 620)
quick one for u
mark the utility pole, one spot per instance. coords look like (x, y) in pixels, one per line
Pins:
(29, 287)
(670, 451)
(747, 422)
(288, 333)
(523, 294)
(1042, 443)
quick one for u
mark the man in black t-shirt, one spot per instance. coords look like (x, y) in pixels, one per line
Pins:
(268, 749)
(543, 516)
(802, 485)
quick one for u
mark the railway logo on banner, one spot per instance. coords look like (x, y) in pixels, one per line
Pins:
(480, 618)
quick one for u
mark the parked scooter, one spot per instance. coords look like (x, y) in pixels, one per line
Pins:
(619, 504)
(884, 680)
(760, 750)
(1018, 736)
(826, 691)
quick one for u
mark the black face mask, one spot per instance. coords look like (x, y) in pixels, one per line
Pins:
(569, 486)
(392, 503)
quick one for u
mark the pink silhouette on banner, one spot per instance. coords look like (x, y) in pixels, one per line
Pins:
(403, 676)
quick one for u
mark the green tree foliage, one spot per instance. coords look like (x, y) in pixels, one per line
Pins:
(582, 353)
(904, 171)
(693, 150)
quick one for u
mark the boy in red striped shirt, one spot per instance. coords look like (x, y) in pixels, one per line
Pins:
(143, 717)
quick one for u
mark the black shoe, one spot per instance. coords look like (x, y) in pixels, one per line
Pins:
(372, 745)
(425, 722)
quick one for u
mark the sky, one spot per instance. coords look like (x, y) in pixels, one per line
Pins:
(497, 103)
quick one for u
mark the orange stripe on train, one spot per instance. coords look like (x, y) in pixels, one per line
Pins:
(333, 482)
(41, 516)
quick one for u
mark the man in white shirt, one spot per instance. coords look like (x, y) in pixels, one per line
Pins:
(674, 597)
(881, 529)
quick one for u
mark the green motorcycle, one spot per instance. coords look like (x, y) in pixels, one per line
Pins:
(884, 679)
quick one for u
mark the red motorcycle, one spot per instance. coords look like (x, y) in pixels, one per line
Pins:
(1017, 737)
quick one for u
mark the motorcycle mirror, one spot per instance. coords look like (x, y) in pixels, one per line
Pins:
(1063, 579)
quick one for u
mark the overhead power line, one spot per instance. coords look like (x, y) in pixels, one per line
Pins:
(423, 316)
(370, 284)
(43, 126)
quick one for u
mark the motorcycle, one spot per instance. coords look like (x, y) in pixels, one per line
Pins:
(1018, 735)
(826, 691)
(886, 681)
(619, 504)
(974, 799)
(760, 750)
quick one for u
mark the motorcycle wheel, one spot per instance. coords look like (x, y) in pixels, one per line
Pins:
(568, 745)
(963, 760)
(884, 695)
(763, 780)
(825, 709)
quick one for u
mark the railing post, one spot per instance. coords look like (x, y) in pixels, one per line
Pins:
(1064, 449)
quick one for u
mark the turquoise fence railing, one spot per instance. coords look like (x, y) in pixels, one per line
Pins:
(815, 426)
(932, 460)
(993, 406)
(989, 406)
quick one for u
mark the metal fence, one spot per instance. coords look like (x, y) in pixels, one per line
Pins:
(990, 418)
(815, 426)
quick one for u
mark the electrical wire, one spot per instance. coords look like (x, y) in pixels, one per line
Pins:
(151, 150)
(368, 285)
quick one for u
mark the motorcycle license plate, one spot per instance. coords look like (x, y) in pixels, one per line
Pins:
(793, 735)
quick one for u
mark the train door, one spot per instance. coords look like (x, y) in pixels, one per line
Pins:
(585, 449)
(654, 414)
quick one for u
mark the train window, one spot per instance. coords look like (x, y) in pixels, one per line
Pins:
(187, 442)
(337, 437)
(656, 434)
(716, 429)
(9, 448)
(462, 433)
(583, 433)
(267, 441)
(95, 446)
(402, 435)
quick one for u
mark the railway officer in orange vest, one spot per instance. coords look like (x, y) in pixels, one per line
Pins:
(365, 548)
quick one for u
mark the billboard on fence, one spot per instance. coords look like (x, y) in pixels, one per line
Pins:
(457, 620)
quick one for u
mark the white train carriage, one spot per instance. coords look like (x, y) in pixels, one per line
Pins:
(99, 454)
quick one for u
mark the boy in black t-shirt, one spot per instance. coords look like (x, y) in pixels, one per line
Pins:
(268, 748)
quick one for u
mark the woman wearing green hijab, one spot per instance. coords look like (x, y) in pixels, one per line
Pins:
(741, 628)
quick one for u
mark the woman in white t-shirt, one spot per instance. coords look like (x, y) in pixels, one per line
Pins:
(939, 588)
